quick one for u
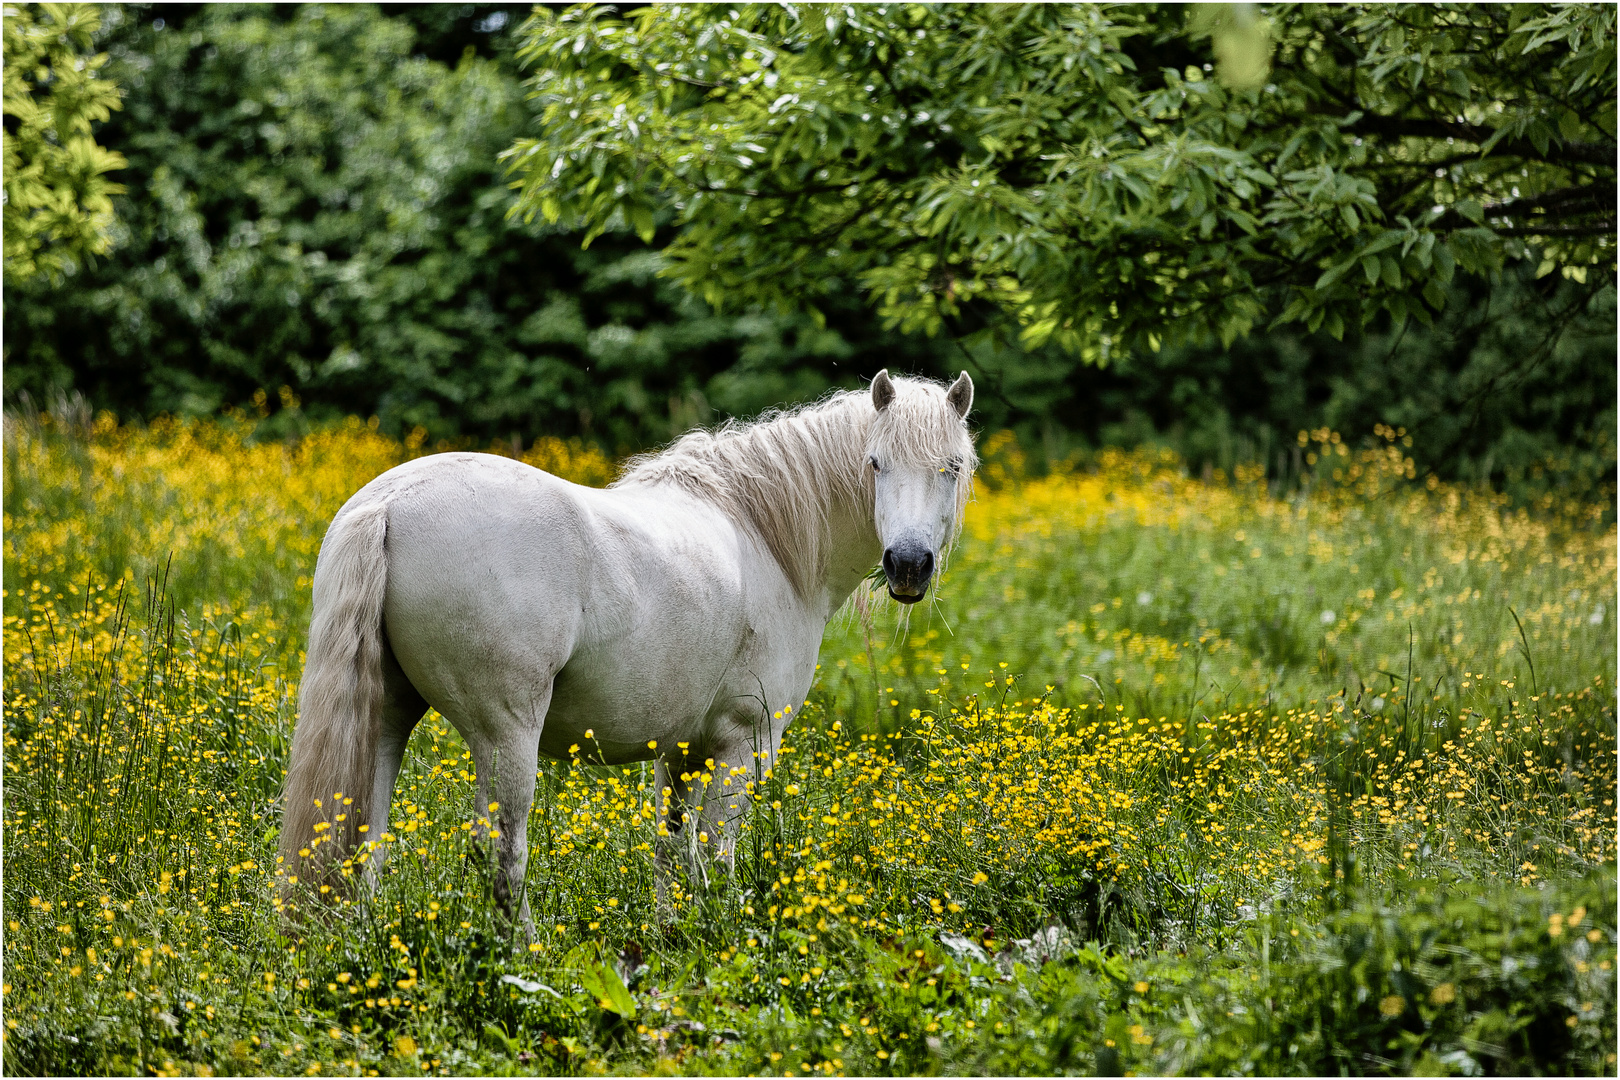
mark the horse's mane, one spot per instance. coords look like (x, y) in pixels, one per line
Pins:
(787, 471)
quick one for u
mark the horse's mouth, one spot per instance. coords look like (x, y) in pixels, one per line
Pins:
(908, 598)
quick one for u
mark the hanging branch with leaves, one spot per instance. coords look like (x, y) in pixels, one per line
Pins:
(1099, 176)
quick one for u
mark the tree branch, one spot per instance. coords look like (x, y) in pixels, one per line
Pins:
(1572, 201)
(1589, 153)
(1597, 228)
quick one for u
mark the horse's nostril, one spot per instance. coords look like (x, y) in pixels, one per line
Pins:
(909, 565)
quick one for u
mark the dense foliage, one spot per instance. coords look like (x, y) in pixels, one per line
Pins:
(314, 202)
(313, 205)
(1070, 166)
(58, 197)
(1173, 776)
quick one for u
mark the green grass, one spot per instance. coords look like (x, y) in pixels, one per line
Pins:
(1175, 776)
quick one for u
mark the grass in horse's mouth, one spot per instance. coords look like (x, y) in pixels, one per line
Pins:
(878, 576)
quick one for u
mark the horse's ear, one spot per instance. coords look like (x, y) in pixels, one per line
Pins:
(960, 395)
(882, 390)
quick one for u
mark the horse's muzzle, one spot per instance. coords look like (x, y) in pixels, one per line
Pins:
(909, 568)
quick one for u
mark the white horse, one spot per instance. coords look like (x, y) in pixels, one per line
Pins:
(685, 604)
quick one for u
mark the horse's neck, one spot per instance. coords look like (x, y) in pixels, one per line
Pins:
(848, 546)
(852, 549)
(814, 516)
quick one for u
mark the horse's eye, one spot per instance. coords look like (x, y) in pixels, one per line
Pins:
(875, 466)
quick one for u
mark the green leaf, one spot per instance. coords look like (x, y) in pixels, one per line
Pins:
(1396, 305)
(1435, 294)
(499, 1038)
(602, 982)
(1384, 241)
(1331, 276)
(1445, 264)
(641, 219)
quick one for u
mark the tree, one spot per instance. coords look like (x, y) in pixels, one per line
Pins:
(58, 198)
(1074, 171)
(315, 202)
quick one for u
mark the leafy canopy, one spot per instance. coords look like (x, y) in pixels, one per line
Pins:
(58, 205)
(314, 202)
(1084, 172)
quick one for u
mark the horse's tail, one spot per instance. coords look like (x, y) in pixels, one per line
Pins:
(334, 747)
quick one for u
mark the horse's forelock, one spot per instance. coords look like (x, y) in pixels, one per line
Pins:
(921, 427)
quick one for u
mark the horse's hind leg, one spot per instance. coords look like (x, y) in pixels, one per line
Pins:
(506, 755)
(402, 708)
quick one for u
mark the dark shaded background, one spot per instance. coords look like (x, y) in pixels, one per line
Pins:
(314, 202)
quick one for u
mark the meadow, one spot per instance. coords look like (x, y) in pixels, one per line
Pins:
(1175, 774)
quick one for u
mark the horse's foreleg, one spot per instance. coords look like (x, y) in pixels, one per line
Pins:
(680, 788)
(703, 803)
(733, 770)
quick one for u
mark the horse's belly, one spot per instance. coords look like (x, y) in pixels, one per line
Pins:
(728, 676)
(656, 685)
